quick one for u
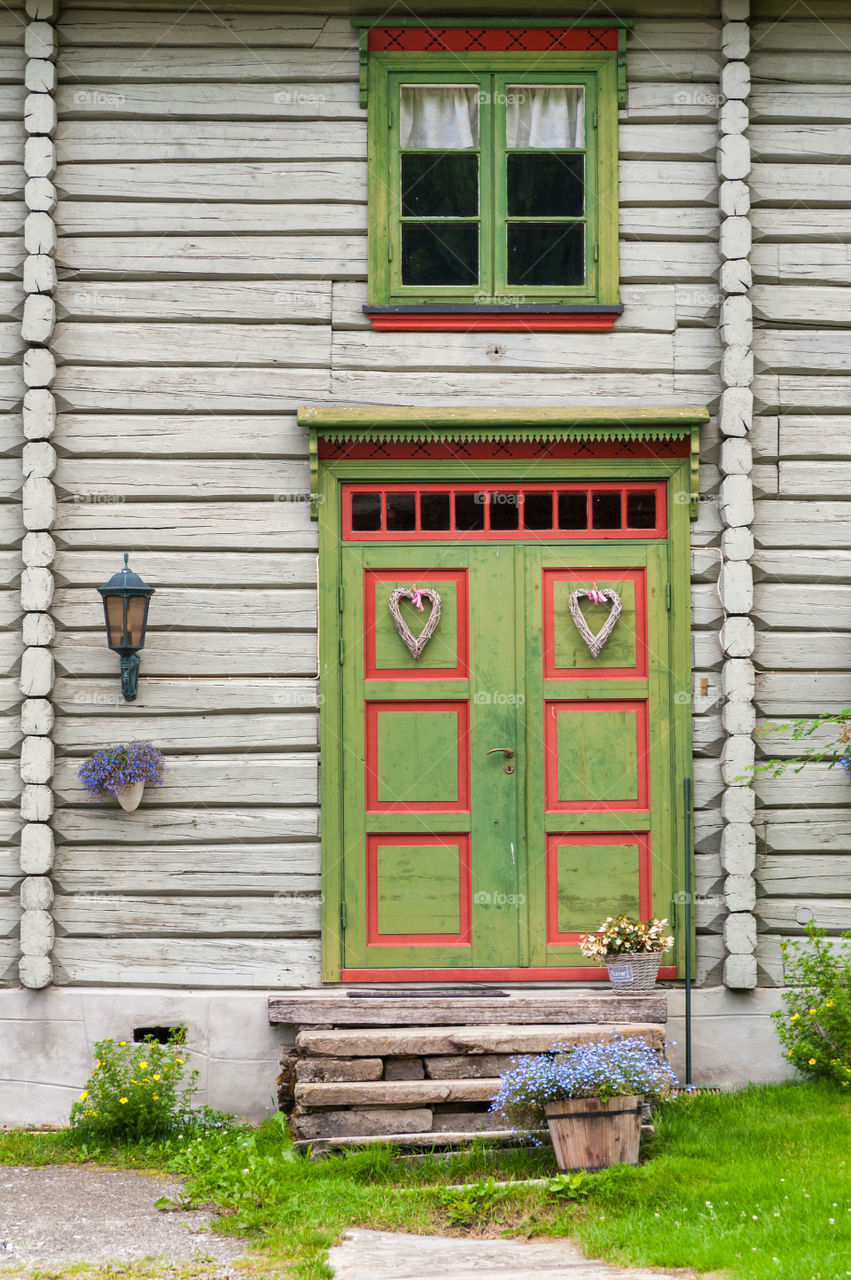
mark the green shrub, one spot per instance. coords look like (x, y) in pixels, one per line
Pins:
(137, 1091)
(815, 1025)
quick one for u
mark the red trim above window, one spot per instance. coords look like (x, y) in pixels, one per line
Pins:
(439, 39)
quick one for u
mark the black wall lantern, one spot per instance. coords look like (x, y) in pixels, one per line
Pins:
(125, 607)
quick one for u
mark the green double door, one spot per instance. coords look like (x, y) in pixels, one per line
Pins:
(507, 790)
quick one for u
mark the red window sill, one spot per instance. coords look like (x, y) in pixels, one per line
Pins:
(592, 317)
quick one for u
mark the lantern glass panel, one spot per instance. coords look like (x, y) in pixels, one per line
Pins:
(115, 620)
(136, 609)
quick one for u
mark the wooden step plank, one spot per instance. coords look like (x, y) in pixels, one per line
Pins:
(322, 1008)
(433, 1041)
(502, 1136)
(395, 1093)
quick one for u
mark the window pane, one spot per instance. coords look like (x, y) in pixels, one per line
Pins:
(470, 510)
(545, 115)
(366, 512)
(641, 510)
(440, 116)
(434, 511)
(136, 607)
(401, 511)
(440, 186)
(537, 510)
(541, 185)
(606, 510)
(440, 253)
(546, 253)
(573, 510)
(505, 510)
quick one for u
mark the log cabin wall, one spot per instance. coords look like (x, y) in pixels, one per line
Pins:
(12, 213)
(800, 111)
(212, 267)
(212, 255)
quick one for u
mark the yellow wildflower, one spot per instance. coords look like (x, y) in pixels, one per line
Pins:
(142, 1066)
(813, 1010)
(795, 1017)
(828, 1004)
(122, 1101)
(156, 1076)
(84, 1095)
(180, 1060)
(812, 1062)
(121, 1044)
(155, 1097)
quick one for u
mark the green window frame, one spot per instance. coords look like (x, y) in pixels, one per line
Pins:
(494, 77)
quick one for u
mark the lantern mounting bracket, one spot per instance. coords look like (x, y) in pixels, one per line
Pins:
(129, 676)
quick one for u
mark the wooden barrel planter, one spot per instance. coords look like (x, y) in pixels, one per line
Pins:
(592, 1133)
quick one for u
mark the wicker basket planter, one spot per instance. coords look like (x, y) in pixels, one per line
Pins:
(592, 1133)
(634, 972)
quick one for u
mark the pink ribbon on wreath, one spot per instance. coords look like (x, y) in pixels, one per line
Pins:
(417, 598)
(596, 596)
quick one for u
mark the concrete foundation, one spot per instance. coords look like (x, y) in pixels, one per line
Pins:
(46, 1040)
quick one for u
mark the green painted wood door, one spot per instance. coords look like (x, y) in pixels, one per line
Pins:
(460, 859)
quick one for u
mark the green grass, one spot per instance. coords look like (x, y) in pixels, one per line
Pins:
(745, 1183)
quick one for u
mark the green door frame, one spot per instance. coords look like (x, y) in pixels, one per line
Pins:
(332, 658)
(327, 478)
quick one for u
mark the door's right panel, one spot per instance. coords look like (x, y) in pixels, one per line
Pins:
(600, 835)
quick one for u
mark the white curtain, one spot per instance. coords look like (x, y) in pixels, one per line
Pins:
(439, 116)
(548, 116)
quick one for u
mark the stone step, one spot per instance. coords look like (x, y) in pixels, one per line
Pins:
(426, 1041)
(394, 1093)
(534, 1006)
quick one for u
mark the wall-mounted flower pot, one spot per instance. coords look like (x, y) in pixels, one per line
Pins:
(130, 797)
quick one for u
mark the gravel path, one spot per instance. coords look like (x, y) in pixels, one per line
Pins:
(68, 1213)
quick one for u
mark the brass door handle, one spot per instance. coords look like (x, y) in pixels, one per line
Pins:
(508, 752)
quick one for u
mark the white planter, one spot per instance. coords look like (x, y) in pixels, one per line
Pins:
(130, 797)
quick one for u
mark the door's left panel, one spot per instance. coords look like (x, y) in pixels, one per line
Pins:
(406, 762)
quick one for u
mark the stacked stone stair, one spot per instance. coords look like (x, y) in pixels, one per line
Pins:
(422, 1071)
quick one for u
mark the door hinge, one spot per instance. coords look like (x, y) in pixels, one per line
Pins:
(594, 119)
(340, 597)
(342, 915)
(389, 115)
(390, 252)
(596, 253)
(667, 595)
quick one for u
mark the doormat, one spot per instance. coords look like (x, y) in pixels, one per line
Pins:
(419, 994)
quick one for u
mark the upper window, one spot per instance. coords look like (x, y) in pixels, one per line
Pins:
(493, 173)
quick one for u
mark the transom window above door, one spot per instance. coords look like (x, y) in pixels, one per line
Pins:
(493, 175)
(485, 511)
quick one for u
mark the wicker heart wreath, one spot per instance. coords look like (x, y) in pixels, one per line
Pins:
(595, 642)
(415, 644)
